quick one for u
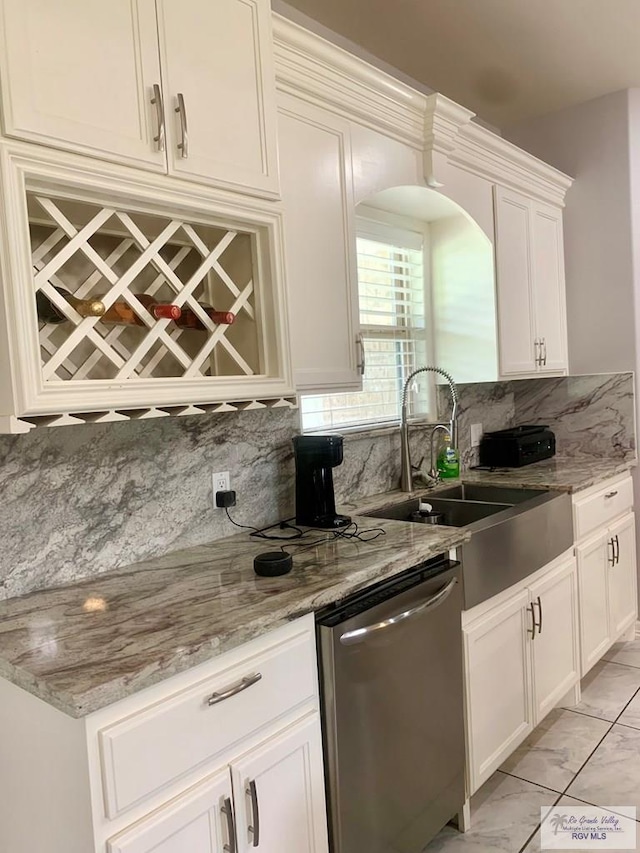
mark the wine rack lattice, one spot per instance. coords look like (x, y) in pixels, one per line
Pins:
(112, 254)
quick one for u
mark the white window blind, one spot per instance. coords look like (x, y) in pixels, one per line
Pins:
(392, 300)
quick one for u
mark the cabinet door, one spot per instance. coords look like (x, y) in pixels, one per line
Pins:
(498, 664)
(556, 661)
(217, 56)
(621, 576)
(514, 278)
(195, 822)
(594, 601)
(320, 245)
(279, 793)
(549, 287)
(80, 74)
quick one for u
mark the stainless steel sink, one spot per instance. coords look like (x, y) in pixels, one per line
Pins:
(456, 513)
(515, 532)
(491, 494)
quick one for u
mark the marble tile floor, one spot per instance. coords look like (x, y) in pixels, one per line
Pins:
(589, 753)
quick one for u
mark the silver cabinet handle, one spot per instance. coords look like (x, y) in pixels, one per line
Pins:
(241, 685)
(157, 101)
(536, 350)
(363, 361)
(227, 810)
(544, 351)
(360, 634)
(610, 495)
(617, 549)
(183, 145)
(534, 625)
(539, 602)
(612, 558)
(254, 828)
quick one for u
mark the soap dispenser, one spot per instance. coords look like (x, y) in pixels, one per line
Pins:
(448, 460)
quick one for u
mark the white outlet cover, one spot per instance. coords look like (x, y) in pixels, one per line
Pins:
(476, 434)
(221, 483)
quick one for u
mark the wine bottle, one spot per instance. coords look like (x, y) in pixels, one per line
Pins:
(190, 319)
(122, 313)
(50, 313)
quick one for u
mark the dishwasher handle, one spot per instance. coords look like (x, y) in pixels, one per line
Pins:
(360, 634)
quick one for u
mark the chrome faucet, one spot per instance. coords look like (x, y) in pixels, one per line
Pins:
(406, 478)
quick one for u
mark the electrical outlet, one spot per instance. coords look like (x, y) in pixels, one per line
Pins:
(476, 434)
(221, 483)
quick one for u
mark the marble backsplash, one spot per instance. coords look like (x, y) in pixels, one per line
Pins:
(77, 501)
(590, 415)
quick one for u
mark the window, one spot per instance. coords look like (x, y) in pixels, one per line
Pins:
(393, 322)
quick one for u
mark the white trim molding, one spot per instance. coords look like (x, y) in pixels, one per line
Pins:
(317, 71)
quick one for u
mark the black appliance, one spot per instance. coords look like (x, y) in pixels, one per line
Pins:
(513, 448)
(315, 456)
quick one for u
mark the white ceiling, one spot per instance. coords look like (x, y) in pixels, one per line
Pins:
(507, 60)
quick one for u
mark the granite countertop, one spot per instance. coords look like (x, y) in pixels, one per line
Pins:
(84, 646)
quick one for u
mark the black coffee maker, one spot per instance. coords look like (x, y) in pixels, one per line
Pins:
(315, 456)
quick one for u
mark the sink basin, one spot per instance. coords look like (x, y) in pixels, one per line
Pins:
(515, 532)
(491, 494)
(456, 513)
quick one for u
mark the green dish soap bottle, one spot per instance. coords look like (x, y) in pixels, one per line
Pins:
(448, 461)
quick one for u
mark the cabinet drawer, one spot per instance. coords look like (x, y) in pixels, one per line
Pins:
(152, 748)
(599, 507)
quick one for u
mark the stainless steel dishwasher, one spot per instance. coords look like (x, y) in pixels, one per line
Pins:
(392, 698)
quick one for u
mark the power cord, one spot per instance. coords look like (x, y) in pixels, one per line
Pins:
(350, 532)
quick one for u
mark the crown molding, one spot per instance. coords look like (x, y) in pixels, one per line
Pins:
(496, 159)
(319, 72)
(312, 68)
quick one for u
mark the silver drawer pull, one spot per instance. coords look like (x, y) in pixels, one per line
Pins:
(157, 102)
(243, 684)
(254, 829)
(227, 810)
(183, 145)
(610, 495)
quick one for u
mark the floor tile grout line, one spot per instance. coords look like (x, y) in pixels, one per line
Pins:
(591, 716)
(618, 663)
(590, 756)
(539, 826)
(529, 782)
(627, 705)
(595, 806)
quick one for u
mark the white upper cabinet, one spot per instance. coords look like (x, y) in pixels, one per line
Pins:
(190, 90)
(219, 89)
(513, 271)
(549, 296)
(530, 284)
(317, 195)
(79, 75)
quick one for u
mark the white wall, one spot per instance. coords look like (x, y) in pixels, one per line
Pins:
(598, 142)
(591, 142)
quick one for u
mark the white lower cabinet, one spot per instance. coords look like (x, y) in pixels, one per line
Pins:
(223, 758)
(595, 633)
(278, 791)
(622, 575)
(607, 575)
(271, 798)
(554, 647)
(521, 658)
(195, 822)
